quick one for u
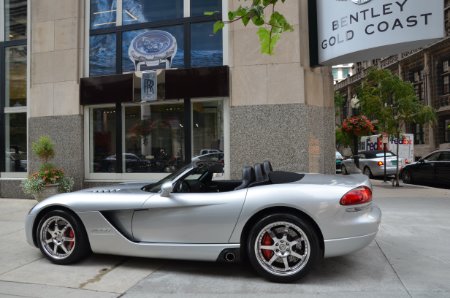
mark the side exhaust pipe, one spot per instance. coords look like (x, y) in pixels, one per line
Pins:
(230, 257)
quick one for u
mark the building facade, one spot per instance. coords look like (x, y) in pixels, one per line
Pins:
(428, 70)
(65, 62)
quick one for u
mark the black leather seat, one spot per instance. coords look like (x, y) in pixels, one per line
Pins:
(267, 167)
(261, 176)
(248, 176)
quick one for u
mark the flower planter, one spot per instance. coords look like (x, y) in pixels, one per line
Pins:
(49, 190)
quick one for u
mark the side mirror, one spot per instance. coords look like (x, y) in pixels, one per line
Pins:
(166, 189)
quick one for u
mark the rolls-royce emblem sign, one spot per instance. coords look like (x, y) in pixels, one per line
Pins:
(359, 2)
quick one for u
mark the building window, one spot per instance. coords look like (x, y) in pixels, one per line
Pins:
(13, 87)
(150, 138)
(143, 11)
(102, 54)
(418, 134)
(152, 34)
(15, 19)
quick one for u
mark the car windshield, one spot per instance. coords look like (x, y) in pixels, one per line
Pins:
(156, 187)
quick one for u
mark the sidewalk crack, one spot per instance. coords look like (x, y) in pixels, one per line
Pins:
(395, 271)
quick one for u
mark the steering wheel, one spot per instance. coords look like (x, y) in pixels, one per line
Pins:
(184, 187)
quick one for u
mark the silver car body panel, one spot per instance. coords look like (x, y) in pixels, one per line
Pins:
(126, 220)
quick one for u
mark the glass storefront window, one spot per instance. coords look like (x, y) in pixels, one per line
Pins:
(16, 76)
(206, 46)
(102, 55)
(103, 140)
(142, 11)
(154, 138)
(199, 7)
(207, 129)
(16, 142)
(103, 13)
(170, 58)
(15, 19)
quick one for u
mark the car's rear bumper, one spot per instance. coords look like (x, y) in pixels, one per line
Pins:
(368, 225)
(379, 171)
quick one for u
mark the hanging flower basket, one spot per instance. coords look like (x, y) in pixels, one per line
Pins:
(357, 125)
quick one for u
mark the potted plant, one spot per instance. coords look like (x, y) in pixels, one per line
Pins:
(48, 180)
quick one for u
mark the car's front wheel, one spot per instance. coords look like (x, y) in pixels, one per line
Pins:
(62, 238)
(368, 172)
(283, 247)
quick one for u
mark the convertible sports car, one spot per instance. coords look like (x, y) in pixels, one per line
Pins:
(282, 222)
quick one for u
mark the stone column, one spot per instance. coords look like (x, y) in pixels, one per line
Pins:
(57, 58)
(281, 108)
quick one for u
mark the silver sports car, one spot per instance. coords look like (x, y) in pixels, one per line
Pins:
(282, 222)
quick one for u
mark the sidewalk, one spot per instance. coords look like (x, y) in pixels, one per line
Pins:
(410, 258)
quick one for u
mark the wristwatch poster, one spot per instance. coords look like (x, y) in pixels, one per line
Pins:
(152, 49)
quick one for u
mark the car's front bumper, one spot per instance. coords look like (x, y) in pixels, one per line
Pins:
(367, 223)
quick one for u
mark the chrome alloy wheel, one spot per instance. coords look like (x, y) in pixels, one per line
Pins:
(282, 248)
(57, 237)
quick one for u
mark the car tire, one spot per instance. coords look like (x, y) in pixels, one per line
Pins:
(61, 237)
(292, 247)
(407, 177)
(367, 172)
(344, 170)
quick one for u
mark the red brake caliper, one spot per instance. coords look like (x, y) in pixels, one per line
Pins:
(267, 240)
(71, 236)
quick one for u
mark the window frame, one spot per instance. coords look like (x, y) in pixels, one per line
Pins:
(4, 45)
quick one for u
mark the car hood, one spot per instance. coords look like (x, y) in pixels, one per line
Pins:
(130, 187)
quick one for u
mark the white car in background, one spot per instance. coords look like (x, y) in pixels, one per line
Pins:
(371, 163)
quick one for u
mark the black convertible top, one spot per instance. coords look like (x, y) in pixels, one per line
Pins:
(277, 177)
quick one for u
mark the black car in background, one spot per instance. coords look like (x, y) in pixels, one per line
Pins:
(433, 169)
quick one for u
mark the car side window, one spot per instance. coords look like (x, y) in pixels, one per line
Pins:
(432, 157)
(445, 156)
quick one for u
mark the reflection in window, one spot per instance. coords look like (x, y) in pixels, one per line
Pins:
(208, 129)
(177, 61)
(199, 7)
(15, 19)
(102, 55)
(142, 11)
(103, 140)
(154, 138)
(206, 46)
(16, 76)
(16, 142)
(103, 13)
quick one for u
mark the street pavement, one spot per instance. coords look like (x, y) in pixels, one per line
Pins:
(409, 258)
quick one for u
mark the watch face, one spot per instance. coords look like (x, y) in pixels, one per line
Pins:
(154, 44)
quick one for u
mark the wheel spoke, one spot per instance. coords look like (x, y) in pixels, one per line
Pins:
(298, 256)
(64, 248)
(293, 243)
(272, 235)
(55, 249)
(268, 247)
(286, 264)
(48, 241)
(67, 239)
(274, 257)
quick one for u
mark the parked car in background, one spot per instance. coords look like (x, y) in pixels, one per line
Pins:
(371, 163)
(133, 163)
(217, 156)
(433, 169)
(339, 159)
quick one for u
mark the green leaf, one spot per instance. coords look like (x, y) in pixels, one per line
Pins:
(268, 40)
(218, 26)
(209, 13)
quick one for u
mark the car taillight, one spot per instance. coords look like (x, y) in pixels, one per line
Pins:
(380, 163)
(356, 196)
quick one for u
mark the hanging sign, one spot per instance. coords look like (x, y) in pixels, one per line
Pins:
(149, 85)
(358, 30)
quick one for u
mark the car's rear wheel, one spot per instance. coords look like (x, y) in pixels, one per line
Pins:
(368, 172)
(62, 238)
(282, 247)
(407, 177)
(344, 170)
